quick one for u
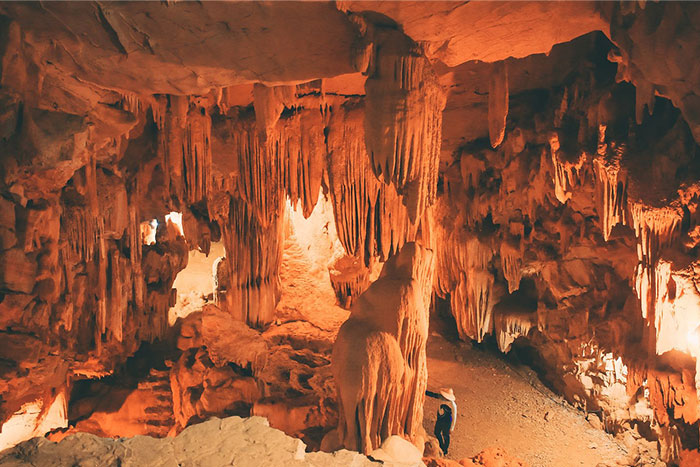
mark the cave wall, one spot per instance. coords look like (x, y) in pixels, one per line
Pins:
(556, 184)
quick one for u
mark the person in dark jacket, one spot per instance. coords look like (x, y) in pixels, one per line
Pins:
(443, 426)
(446, 418)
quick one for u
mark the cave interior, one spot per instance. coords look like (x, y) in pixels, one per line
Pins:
(288, 224)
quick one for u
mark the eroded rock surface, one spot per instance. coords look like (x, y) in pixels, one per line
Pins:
(216, 442)
(546, 153)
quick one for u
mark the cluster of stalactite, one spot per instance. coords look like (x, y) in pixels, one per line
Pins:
(184, 146)
(370, 216)
(463, 270)
(78, 275)
(248, 284)
(527, 211)
(655, 227)
(274, 156)
(403, 120)
(296, 141)
(567, 174)
(133, 286)
(510, 326)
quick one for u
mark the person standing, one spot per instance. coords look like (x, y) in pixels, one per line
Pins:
(442, 427)
(446, 417)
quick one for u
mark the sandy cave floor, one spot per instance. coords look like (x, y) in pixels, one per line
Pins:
(503, 406)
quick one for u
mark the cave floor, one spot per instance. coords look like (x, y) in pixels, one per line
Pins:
(499, 405)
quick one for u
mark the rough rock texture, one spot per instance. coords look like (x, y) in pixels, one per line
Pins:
(216, 442)
(575, 237)
(379, 362)
(553, 173)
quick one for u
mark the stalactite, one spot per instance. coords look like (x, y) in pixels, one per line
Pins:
(353, 186)
(349, 278)
(611, 188)
(462, 270)
(567, 174)
(253, 256)
(471, 169)
(655, 229)
(511, 263)
(479, 295)
(672, 394)
(83, 225)
(136, 255)
(645, 96)
(510, 326)
(132, 103)
(403, 121)
(371, 218)
(498, 103)
(460, 253)
(261, 180)
(118, 296)
(184, 145)
(298, 142)
(393, 226)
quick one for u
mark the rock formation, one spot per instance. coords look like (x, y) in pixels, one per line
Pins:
(216, 442)
(379, 362)
(533, 166)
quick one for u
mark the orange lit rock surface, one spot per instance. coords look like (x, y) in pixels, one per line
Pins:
(379, 362)
(543, 155)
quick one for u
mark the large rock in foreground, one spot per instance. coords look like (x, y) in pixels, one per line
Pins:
(216, 442)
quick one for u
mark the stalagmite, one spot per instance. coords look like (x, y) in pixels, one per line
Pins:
(403, 121)
(498, 103)
(379, 361)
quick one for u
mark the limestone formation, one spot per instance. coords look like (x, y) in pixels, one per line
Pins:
(529, 168)
(216, 442)
(379, 362)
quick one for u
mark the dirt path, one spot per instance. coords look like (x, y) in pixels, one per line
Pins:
(504, 407)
